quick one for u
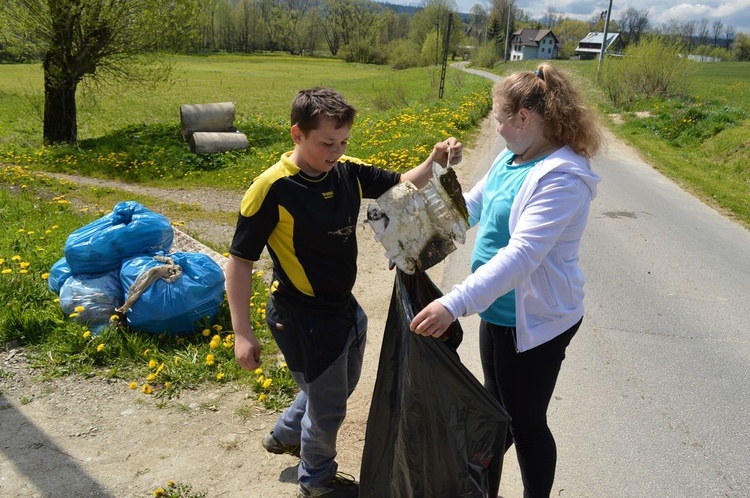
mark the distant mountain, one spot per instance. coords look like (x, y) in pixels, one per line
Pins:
(401, 9)
(414, 7)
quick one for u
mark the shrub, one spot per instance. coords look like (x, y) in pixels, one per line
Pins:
(487, 56)
(654, 68)
(363, 51)
(403, 54)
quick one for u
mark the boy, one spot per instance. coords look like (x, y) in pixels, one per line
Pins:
(305, 210)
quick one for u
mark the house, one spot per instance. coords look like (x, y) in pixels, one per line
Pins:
(533, 44)
(591, 46)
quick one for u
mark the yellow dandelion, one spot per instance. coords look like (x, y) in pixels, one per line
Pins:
(283, 365)
(7, 270)
(23, 271)
(146, 389)
(79, 309)
(24, 264)
(206, 332)
(133, 385)
(73, 315)
(209, 359)
(267, 383)
(258, 371)
(2, 261)
(16, 258)
(152, 364)
(176, 360)
(170, 484)
(218, 328)
(159, 492)
(262, 397)
(219, 375)
(146, 352)
(114, 318)
(161, 367)
(56, 300)
(45, 276)
(100, 347)
(86, 334)
(260, 379)
(151, 377)
(167, 385)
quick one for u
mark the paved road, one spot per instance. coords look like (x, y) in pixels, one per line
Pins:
(653, 396)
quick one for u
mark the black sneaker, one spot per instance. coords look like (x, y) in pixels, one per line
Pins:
(341, 486)
(273, 445)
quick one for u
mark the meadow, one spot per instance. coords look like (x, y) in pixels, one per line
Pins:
(133, 134)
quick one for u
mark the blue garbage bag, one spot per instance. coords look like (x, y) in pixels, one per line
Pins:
(129, 230)
(175, 307)
(58, 274)
(98, 295)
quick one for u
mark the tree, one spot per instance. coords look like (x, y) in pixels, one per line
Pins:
(741, 47)
(730, 34)
(570, 32)
(703, 31)
(478, 23)
(349, 21)
(634, 23)
(80, 39)
(716, 28)
(551, 17)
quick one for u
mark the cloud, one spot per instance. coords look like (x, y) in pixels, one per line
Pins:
(732, 12)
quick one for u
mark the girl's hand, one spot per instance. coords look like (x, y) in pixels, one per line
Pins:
(433, 320)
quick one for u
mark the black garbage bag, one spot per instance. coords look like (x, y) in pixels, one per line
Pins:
(433, 430)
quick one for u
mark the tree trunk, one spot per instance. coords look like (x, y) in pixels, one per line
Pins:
(60, 118)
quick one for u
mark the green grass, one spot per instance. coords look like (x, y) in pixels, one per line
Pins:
(701, 140)
(134, 134)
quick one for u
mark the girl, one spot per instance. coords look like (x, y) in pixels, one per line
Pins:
(526, 284)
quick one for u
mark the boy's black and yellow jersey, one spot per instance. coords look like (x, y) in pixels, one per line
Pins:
(309, 225)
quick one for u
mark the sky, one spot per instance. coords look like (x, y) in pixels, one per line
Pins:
(729, 12)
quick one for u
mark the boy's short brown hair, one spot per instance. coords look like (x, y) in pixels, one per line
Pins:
(310, 106)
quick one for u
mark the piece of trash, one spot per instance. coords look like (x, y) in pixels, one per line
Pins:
(419, 227)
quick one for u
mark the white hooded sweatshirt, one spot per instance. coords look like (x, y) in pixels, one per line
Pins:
(547, 219)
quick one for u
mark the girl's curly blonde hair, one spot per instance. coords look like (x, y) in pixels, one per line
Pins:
(547, 91)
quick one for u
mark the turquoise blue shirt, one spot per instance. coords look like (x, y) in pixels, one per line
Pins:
(503, 183)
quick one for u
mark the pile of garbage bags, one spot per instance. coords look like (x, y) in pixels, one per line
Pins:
(120, 263)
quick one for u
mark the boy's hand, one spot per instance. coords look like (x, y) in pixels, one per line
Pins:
(447, 152)
(247, 351)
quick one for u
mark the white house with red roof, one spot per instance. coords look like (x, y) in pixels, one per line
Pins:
(533, 44)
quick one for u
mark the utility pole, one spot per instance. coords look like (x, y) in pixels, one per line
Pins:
(507, 32)
(604, 41)
(446, 46)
